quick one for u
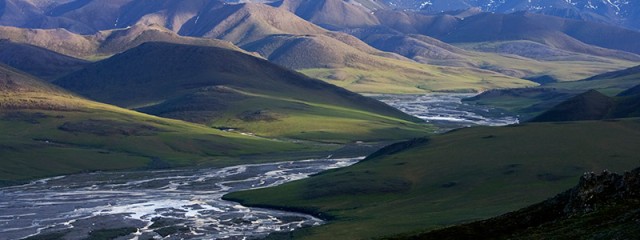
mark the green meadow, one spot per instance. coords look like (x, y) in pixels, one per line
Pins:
(461, 176)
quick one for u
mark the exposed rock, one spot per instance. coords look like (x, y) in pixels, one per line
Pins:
(604, 206)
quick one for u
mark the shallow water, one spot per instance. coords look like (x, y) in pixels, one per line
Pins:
(447, 110)
(186, 200)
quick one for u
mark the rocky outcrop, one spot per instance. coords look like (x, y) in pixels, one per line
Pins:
(600, 190)
(604, 206)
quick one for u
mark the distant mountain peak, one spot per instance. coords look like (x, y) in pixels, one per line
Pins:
(619, 12)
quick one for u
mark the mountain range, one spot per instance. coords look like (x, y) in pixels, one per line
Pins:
(359, 45)
(616, 12)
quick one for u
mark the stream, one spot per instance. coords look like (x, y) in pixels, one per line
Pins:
(186, 203)
(448, 111)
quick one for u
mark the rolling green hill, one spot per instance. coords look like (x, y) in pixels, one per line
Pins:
(229, 89)
(47, 131)
(530, 102)
(460, 176)
(591, 105)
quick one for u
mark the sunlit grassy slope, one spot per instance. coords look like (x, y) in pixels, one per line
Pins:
(403, 77)
(535, 61)
(460, 176)
(229, 89)
(47, 131)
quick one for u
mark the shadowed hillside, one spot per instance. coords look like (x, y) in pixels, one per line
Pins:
(225, 88)
(630, 92)
(591, 105)
(37, 61)
(47, 131)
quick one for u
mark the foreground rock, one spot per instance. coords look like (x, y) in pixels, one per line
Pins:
(602, 206)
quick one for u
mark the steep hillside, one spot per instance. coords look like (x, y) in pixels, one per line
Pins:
(460, 176)
(629, 72)
(48, 131)
(228, 89)
(591, 105)
(626, 106)
(601, 206)
(37, 61)
(330, 14)
(244, 23)
(630, 92)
